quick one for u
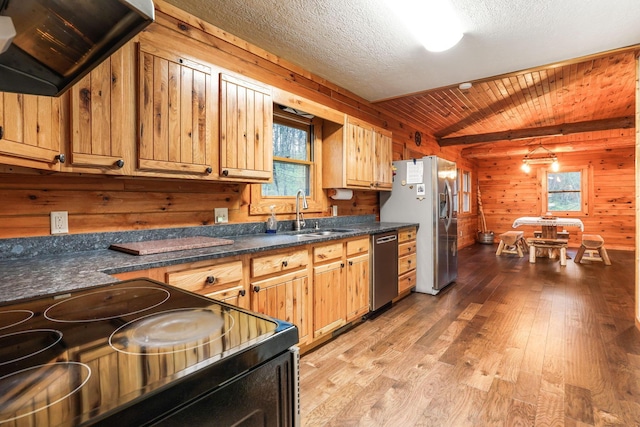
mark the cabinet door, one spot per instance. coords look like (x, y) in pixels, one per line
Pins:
(175, 102)
(103, 116)
(382, 162)
(30, 131)
(285, 297)
(359, 152)
(246, 130)
(329, 298)
(357, 286)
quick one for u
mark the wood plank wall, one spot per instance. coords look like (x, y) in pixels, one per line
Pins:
(509, 193)
(103, 203)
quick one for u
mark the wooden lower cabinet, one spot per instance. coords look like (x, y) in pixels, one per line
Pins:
(329, 298)
(357, 292)
(406, 260)
(223, 282)
(358, 280)
(284, 297)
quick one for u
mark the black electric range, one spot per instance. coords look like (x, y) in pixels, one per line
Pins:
(140, 352)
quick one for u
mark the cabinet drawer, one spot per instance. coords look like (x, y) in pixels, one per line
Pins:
(407, 248)
(287, 261)
(208, 280)
(406, 263)
(407, 234)
(358, 246)
(327, 252)
(406, 281)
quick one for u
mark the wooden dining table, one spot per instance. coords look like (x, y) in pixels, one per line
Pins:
(548, 225)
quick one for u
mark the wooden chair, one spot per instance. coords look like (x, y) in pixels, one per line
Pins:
(512, 242)
(593, 246)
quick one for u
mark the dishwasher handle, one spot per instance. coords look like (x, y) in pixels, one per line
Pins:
(386, 239)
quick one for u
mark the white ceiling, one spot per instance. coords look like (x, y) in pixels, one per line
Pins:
(360, 45)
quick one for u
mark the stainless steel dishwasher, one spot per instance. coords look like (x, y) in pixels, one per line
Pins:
(384, 269)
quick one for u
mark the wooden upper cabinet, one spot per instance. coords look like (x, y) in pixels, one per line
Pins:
(356, 155)
(383, 160)
(246, 130)
(103, 117)
(359, 154)
(175, 109)
(31, 131)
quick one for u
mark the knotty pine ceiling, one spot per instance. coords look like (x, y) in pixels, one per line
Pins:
(573, 106)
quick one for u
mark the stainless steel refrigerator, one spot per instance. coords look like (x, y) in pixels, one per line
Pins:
(423, 192)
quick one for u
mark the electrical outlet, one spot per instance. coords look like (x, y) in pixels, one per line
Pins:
(221, 215)
(59, 222)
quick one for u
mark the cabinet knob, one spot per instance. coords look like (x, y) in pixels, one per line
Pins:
(60, 157)
(119, 164)
(408, 261)
(285, 263)
(208, 170)
(256, 289)
(242, 292)
(342, 265)
(211, 279)
(225, 172)
(350, 262)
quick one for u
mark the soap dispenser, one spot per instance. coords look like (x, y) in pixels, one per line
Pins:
(272, 223)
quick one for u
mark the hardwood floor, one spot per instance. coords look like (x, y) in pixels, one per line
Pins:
(509, 344)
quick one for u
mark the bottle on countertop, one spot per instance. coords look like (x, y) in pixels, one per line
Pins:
(272, 222)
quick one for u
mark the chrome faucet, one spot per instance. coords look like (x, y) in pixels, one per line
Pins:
(299, 224)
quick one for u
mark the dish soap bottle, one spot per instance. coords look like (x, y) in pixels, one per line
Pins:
(272, 223)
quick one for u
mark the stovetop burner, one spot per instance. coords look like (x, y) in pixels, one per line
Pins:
(107, 304)
(31, 390)
(172, 331)
(89, 355)
(20, 345)
(11, 318)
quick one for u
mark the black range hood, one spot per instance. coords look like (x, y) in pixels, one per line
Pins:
(57, 42)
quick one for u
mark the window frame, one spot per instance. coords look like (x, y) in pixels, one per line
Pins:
(260, 204)
(460, 192)
(585, 191)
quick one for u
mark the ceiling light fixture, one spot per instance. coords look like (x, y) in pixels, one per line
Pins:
(433, 22)
(465, 86)
(7, 33)
(548, 157)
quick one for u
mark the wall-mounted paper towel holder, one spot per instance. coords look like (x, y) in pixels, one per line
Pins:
(340, 194)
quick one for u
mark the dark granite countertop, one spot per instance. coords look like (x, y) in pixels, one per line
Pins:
(52, 269)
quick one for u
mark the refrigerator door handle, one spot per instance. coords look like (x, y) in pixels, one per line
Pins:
(449, 205)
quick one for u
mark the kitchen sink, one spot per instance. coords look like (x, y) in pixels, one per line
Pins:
(319, 233)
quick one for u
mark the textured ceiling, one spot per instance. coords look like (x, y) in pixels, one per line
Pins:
(360, 45)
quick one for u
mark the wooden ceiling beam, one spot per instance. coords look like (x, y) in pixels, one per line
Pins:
(507, 150)
(544, 131)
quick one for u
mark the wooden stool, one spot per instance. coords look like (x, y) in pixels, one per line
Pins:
(512, 242)
(593, 244)
(552, 245)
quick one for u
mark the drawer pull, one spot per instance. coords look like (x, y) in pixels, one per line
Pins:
(408, 261)
(211, 279)
(285, 263)
(242, 292)
(119, 163)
